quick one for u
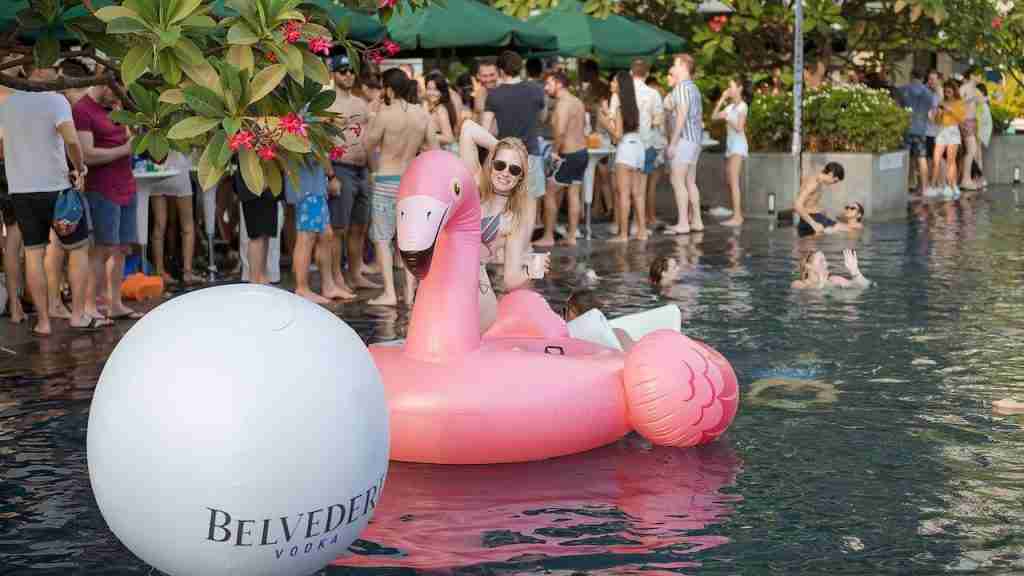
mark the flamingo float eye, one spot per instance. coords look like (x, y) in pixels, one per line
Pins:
(456, 187)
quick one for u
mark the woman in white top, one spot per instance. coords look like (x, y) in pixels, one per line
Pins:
(177, 190)
(623, 122)
(734, 114)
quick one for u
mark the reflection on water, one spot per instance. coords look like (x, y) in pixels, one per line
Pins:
(865, 443)
(615, 509)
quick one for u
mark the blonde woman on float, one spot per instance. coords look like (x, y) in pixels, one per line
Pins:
(504, 225)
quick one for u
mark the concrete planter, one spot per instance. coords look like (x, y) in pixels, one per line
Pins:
(878, 181)
(1004, 153)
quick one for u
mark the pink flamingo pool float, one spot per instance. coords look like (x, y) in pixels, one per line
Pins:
(525, 390)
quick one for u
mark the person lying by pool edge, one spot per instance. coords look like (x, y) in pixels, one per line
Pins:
(814, 272)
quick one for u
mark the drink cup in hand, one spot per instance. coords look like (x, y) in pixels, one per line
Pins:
(537, 265)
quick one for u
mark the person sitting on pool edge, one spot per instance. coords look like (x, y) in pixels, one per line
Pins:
(814, 272)
(812, 220)
(584, 300)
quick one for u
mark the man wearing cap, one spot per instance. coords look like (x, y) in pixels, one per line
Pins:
(350, 208)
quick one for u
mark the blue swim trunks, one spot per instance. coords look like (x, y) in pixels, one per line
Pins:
(311, 196)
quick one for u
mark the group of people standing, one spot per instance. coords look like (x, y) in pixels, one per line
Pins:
(951, 123)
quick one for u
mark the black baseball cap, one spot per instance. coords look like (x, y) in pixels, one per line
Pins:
(340, 63)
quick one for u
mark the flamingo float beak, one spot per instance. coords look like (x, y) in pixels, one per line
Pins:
(420, 220)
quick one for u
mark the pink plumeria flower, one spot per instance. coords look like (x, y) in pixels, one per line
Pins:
(267, 152)
(293, 124)
(240, 139)
(320, 45)
(337, 153)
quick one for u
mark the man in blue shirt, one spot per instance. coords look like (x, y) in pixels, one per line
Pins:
(921, 101)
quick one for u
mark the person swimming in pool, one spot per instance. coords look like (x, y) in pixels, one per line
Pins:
(814, 272)
(664, 271)
(852, 219)
(812, 220)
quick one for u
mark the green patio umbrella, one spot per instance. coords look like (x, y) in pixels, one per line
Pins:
(613, 41)
(673, 43)
(465, 23)
(362, 27)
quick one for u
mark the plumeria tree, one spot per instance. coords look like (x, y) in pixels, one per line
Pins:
(246, 89)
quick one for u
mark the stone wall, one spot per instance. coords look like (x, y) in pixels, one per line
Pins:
(878, 181)
(1004, 153)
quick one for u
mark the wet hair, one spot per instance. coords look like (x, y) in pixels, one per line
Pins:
(510, 63)
(746, 90)
(983, 89)
(441, 83)
(534, 68)
(398, 82)
(860, 211)
(627, 103)
(581, 301)
(658, 269)
(835, 169)
(517, 197)
(805, 266)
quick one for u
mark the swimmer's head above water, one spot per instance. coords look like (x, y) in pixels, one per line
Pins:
(581, 301)
(664, 271)
(814, 268)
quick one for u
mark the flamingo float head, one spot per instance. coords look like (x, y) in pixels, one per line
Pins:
(437, 193)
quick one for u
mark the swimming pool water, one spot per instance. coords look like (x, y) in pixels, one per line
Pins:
(865, 441)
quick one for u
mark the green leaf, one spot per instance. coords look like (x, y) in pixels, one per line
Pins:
(145, 101)
(241, 34)
(199, 21)
(294, 62)
(315, 69)
(203, 74)
(126, 26)
(265, 82)
(273, 174)
(173, 96)
(309, 29)
(169, 67)
(295, 143)
(252, 172)
(231, 125)
(182, 10)
(110, 13)
(147, 9)
(204, 101)
(322, 101)
(187, 51)
(159, 147)
(46, 51)
(123, 117)
(192, 127)
(241, 57)
(141, 143)
(169, 37)
(135, 63)
(209, 172)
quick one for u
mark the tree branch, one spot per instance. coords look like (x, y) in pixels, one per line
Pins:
(62, 83)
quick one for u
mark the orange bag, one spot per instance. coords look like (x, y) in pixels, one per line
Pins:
(142, 287)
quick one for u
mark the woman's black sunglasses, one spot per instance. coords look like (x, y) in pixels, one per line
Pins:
(513, 169)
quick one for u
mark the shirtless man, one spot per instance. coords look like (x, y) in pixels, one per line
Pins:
(812, 220)
(399, 131)
(570, 150)
(350, 207)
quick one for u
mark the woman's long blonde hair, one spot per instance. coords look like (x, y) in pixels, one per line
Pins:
(519, 196)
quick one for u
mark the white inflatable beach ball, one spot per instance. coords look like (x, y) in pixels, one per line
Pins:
(238, 430)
